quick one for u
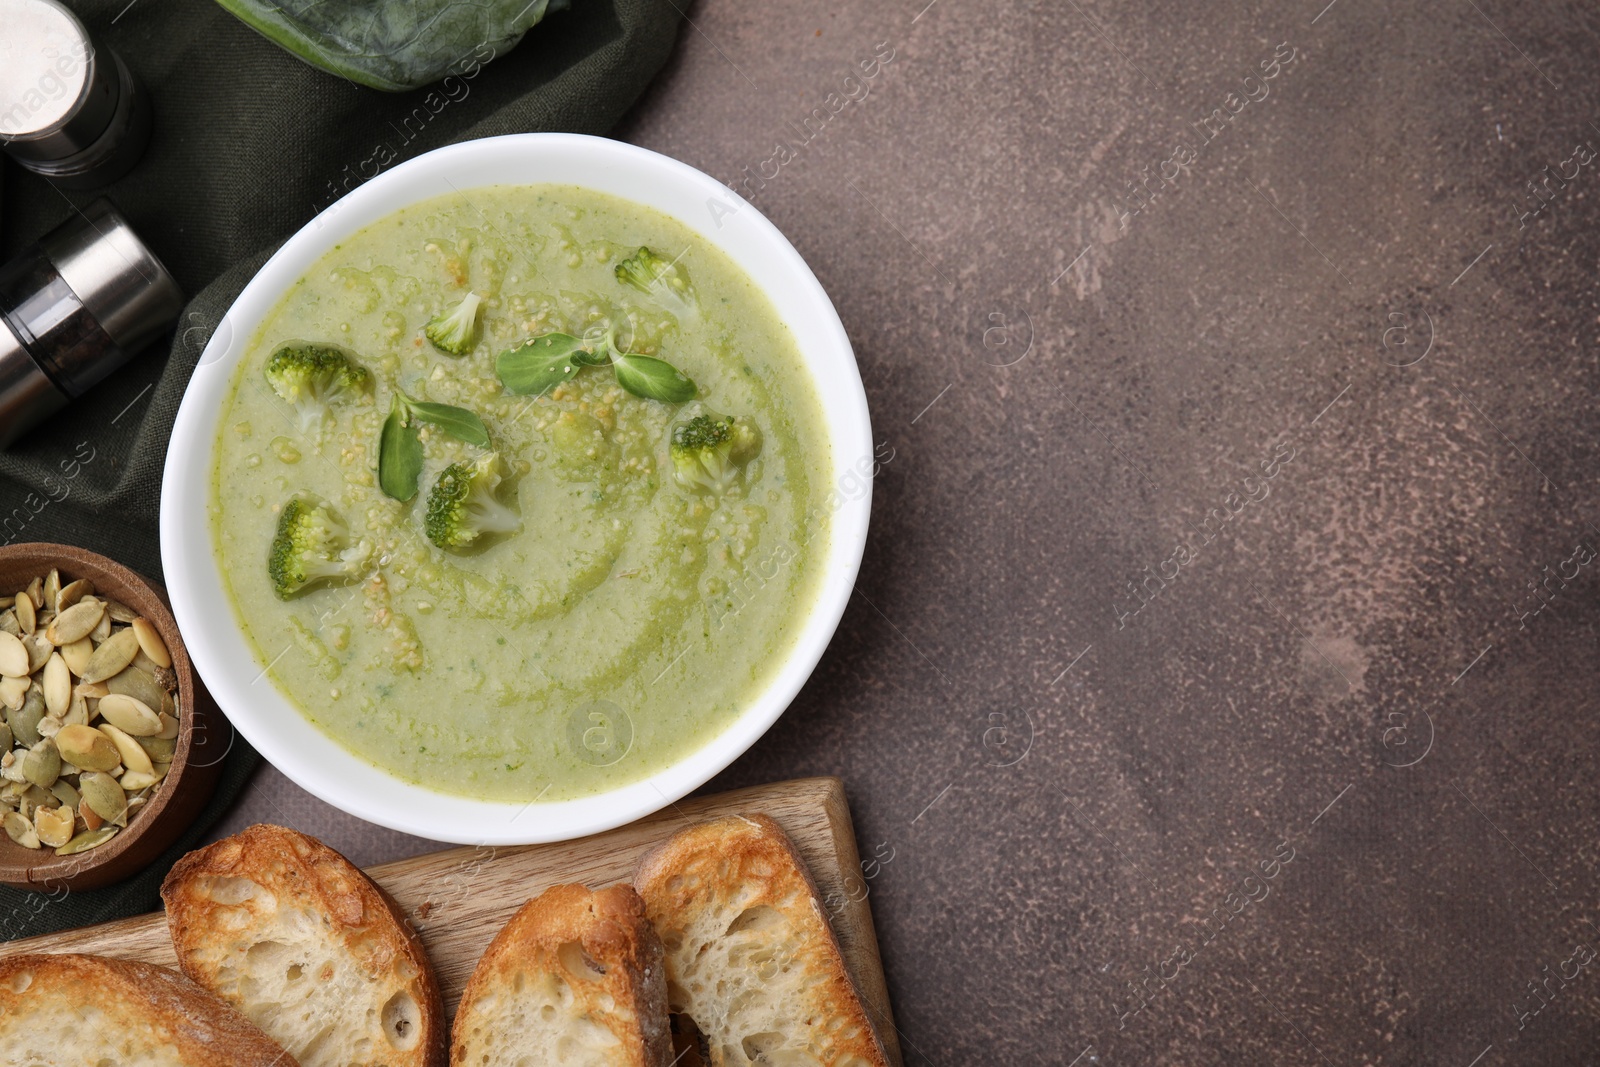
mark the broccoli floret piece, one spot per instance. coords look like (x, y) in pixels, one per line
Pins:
(312, 377)
(656, 276)
(312, 545)
(456, 330)
(708, 452)
(462, 506)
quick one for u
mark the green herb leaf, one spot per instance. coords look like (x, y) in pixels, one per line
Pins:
(399, 454)
(585, 358)
(459, 423)
(651, 378)
(539, 365)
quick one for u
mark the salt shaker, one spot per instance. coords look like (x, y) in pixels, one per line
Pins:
(69, 110)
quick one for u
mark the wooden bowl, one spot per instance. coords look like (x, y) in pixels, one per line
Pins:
(203, 734)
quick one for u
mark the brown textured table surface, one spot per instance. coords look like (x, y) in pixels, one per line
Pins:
(1220, 685)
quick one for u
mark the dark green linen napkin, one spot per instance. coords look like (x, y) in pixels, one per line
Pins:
(249, 144)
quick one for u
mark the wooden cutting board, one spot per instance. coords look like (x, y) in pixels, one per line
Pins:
(460, 898)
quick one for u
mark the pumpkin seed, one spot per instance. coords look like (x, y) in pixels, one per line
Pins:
(13, 691)
(77, 654)
(114, 654)
(140, 685)
(64, 792)
(159, 749)
(42, 765)
(52, 589)
(8, 623)
(87, 840)
(91, 820)
(57, 685)
(119, 611)
(5, 737)
(75, 623)
(87, 748)
(169, 727)
(130, 715)
(25, 723)
(102, 629)
(150, 640)
(102, 793)
(33, 797)
(78, 711)
(13, 656)
(20, 830)
(27, 617)
(134, 780)
(36, 592)
(39, 651)
(133, 757)
(54, 825)
(73, 592)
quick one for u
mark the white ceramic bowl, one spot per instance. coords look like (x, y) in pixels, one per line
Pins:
(222, 653)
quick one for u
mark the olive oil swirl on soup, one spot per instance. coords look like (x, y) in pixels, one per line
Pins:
(661, 556)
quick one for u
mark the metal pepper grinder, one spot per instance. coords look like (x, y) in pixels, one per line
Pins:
(73, 308)
(69, 110)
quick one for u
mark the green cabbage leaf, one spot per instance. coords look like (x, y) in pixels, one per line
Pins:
(393, 45)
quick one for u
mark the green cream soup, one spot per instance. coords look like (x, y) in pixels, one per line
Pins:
(630, 617)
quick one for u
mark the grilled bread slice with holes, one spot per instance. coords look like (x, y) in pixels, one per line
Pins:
(576, 977)
(750, 958)
(67, 1011)
(286, 930)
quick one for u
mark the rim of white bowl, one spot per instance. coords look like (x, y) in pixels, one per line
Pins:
(223, 655)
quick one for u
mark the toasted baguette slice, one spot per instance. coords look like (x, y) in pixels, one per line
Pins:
(575, 978)
(286, 930)
(67, 1011)
(750, 957)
